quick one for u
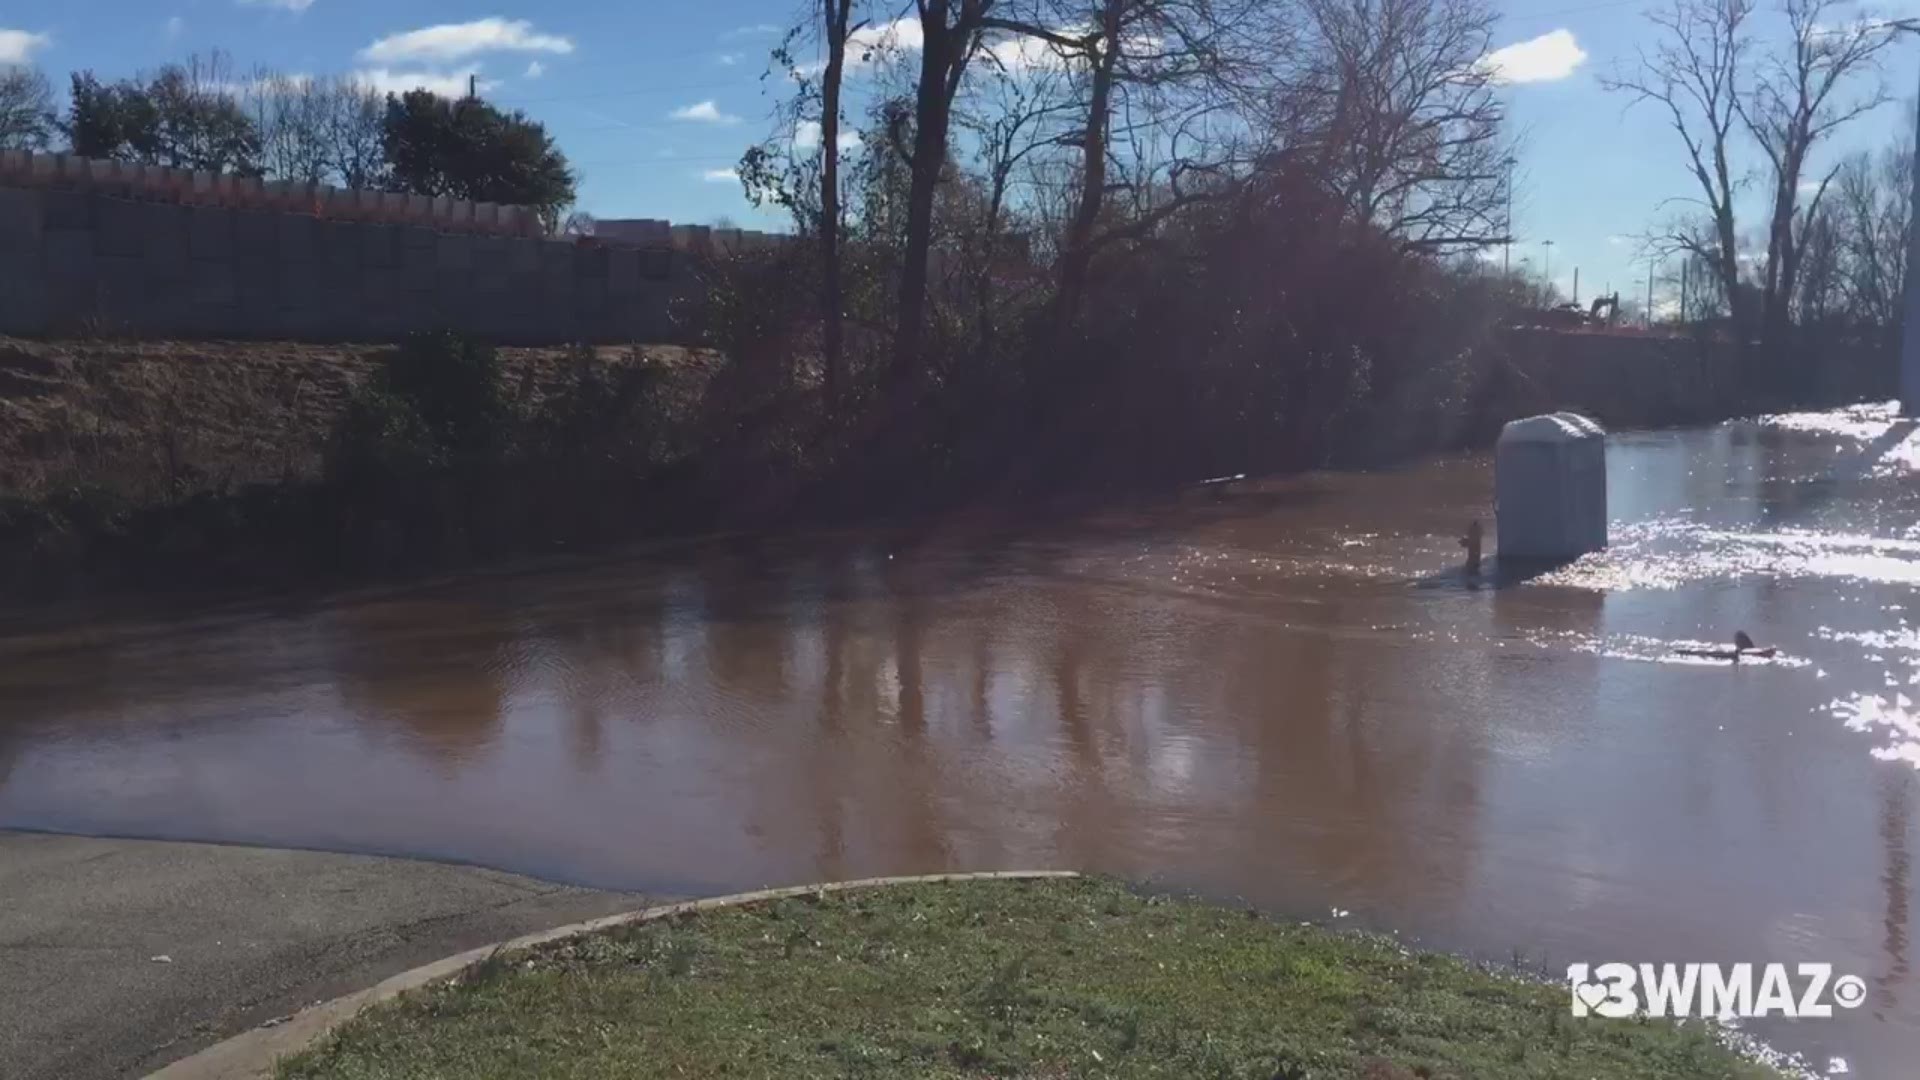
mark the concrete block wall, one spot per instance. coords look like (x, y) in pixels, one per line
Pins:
(74, 258)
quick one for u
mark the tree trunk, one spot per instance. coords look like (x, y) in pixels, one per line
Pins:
(931, 113)
(837, 13)
(1727, 264)
(1077, 260)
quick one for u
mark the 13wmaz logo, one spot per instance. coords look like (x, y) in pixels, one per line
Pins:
(1711, 990)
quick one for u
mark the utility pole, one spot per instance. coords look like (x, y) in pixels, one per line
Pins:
(1506, 248)
(1576, 284)
(1650, 267)
(1548, 244)
(473, 87)
(1910, 321)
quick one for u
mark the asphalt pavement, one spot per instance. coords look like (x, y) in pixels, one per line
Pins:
(119, 956)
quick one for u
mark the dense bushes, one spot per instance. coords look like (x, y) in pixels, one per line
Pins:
(1264, 330)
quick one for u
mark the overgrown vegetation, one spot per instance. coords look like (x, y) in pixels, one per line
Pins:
(1093, 242)
(1070, 978)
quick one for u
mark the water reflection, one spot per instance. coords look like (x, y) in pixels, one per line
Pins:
(1280, 694)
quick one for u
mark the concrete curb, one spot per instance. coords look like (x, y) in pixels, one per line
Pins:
(252, 1054)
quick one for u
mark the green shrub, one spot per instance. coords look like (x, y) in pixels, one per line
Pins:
(602, 413)
(380, 435)
(452, 383)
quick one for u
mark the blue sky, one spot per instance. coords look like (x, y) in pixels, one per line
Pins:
(653, 100)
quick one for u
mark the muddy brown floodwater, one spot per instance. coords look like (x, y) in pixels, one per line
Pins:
(1281, 693)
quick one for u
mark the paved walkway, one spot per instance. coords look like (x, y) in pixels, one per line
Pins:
(249, 934)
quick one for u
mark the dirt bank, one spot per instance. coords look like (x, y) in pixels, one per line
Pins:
(154, 422)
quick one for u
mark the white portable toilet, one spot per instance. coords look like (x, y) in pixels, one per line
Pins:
(1550, 487)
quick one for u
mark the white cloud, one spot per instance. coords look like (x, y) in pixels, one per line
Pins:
(175, 26)
(806, 136)
(448, 84)
(18, 46)
(457, 41)
(902, 34)
(728, 59)
(535, 69)
(1024, 53)
(720, 176)
(869, 44)
(704, 112)
(755, 30)
(1550, 57)
(283, 5)
(1619, 239)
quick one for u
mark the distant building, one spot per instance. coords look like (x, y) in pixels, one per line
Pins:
(635, 232)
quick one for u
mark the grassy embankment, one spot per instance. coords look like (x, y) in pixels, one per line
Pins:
(1038, 979)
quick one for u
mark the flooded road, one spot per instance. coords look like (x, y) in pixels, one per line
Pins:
(1283, 693)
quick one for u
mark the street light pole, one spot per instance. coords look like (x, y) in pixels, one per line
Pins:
(1548, 244)
(1651, 264)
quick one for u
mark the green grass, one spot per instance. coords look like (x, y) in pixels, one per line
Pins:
(1004, 979)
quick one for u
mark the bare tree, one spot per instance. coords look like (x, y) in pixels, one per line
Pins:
(1714, 82)
(355, 126)
(26, 109)
(290, 114)
(1797, 99)
(1819, 287)
(836, 27)
(1872, 207)
(1402, 117)
(317, 130)
(950, 33)
(1015, 115)
(1694, 75)
(1155, 75)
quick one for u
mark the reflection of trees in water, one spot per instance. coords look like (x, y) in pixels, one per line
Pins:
(1367, 765)
(851, 777)
(1094, 723)
(12, 742)
(435, 672)
(603, 657)
(1895, 826)
(747, 644)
